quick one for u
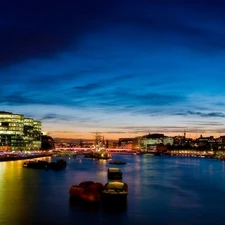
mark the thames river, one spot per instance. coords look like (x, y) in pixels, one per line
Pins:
(162, 190)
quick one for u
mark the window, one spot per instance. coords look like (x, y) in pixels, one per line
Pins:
(5, 124)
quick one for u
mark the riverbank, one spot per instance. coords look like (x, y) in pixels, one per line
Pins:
(14, 158)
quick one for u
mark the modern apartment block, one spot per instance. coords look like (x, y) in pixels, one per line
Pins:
(18, 133)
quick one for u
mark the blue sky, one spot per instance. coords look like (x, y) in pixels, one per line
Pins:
(125, 68)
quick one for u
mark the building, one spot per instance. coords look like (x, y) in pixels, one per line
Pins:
(47, 142)
(18, 133)
(152, 142)
(125, 143)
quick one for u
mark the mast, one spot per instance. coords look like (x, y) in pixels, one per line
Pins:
(99, 141)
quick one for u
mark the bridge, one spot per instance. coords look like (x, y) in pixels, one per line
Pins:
(78, 149)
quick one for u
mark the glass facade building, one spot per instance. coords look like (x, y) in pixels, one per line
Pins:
(18, 133)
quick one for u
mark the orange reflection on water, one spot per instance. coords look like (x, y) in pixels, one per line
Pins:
(10, 177)
(16, 198)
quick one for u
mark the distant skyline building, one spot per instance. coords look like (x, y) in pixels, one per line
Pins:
(18, 133)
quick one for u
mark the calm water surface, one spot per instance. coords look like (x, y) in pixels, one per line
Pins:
(162, 190)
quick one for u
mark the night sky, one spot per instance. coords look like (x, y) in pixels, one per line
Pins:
(125, 68)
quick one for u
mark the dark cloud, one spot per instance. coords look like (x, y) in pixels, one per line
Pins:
(42, 28)
(154, 129)
(114, 56)
(114, 132)
(198, 25)
(37, 29)
(102, 83)
(16, 98)
(200, 114)
(88, 87)
(127, 98)
(203, 123)
(64, 131)
(172, 129)
(59, 117)
(95, 95)
(52, 117)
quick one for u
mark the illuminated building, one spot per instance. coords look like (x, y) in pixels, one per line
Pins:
(155, 141)
(18, 133)
(125, 143)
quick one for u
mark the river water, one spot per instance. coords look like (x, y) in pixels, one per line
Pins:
(162, 190)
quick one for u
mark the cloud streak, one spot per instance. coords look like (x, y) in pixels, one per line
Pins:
(200, 114)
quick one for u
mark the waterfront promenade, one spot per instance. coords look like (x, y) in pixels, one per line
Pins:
(13, 156)
(16, 156)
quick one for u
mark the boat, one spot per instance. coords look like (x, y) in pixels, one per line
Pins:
(114, 173)
(41, 164)
(98, 149)
(117, 162)
(87, 191)
(115, 191)
(58, 165)
(89, 154)
(102, 154)
(36, 164)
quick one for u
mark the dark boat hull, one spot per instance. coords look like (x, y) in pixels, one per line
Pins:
(58, 165)
(116, 197)
(115, 193)
(88, 191)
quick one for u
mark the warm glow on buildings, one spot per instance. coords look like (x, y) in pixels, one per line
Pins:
(18, 133)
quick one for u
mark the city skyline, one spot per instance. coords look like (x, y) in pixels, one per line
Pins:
(122, 68)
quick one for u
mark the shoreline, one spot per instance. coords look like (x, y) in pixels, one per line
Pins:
(15, 158)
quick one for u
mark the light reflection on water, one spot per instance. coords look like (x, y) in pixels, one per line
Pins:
(162, 190)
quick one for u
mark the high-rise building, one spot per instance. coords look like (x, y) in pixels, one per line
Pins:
(18, 133)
